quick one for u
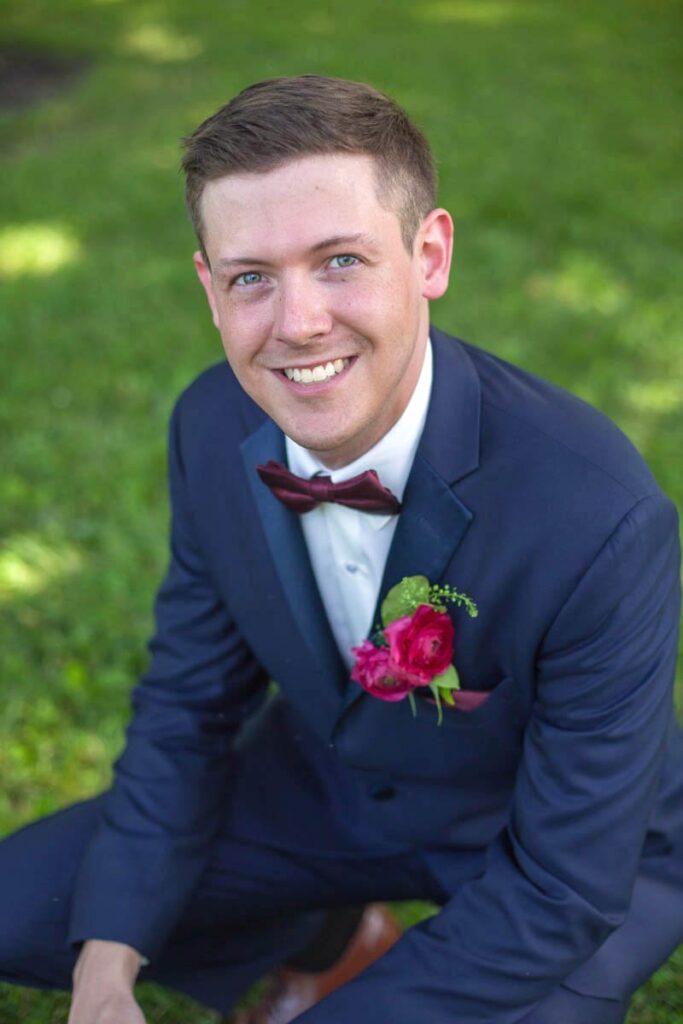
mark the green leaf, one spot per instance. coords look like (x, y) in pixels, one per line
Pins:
(447, 697)
(437, 698)
(413, 705)
(448, 680)
(404, 598)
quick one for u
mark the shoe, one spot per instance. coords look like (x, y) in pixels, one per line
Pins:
(288, 992)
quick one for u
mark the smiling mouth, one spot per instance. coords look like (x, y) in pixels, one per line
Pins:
(316, 374)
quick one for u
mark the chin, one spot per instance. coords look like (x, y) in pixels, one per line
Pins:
(320, 439)
(322, 445)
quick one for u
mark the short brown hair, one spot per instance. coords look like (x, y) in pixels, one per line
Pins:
(281, 119)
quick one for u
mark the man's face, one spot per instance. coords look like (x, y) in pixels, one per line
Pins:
(322, 312)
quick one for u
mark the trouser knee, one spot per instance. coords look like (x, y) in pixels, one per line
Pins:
(38, 868)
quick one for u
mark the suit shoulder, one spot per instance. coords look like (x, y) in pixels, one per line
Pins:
(543, 418)
(216, 400)
(214, 384)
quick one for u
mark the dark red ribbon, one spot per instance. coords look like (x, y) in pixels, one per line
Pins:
(364, 492)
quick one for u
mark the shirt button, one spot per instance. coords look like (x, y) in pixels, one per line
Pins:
(351, 567)
(383, 793)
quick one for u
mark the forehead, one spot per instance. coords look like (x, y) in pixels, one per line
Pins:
(296, 204)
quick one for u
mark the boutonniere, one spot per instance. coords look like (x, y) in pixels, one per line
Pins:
(414, 645)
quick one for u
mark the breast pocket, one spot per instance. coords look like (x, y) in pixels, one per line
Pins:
(471, 746)
(474, 709)
(477, 740)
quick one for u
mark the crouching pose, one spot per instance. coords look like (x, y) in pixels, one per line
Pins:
(465, 583)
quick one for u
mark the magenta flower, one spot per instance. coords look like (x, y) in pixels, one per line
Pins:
(420, 646)
(372, 671)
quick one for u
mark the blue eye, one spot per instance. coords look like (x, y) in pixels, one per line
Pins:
(249, 277)
(344, 261)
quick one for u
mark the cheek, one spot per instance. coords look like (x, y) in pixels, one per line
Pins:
(370, 299)
(243, 331)
(387, 309)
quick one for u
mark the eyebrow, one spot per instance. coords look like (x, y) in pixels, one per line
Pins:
(327, 243)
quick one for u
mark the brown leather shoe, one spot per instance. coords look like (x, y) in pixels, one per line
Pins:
(288, 993)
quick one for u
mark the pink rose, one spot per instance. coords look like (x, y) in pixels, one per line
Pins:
(372, 671)
(420, 646)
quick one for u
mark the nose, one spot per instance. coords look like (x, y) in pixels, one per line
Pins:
(301, 312)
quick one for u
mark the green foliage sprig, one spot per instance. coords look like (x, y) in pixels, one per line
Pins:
(405, 597)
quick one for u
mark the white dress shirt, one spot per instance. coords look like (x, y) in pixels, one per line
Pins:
(348, 548)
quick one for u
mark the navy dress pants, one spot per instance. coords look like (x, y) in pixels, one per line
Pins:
(254, 907)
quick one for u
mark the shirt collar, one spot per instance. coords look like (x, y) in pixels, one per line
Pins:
(392, 456)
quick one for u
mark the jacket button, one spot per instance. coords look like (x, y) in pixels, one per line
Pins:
(383, 793)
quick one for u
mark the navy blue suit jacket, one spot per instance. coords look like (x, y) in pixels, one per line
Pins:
(544, 803)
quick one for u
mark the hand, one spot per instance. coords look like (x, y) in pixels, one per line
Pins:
(98, 1008)
(104, 977)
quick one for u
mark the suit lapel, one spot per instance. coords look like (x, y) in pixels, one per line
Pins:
(323, 673)
(433, 520)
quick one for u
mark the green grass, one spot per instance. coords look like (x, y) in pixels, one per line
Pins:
(557, 130)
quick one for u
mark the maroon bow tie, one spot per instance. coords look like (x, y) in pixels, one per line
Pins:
(364, 492)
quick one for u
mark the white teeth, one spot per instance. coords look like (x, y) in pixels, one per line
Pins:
(316, 374)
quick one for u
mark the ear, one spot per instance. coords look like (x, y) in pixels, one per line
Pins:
(434, 244)
(204, 275)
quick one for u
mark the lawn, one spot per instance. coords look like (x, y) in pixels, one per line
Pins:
(557, 130)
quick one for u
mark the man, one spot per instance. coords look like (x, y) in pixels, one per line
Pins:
(544, 811)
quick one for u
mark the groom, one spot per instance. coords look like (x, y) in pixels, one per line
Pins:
(345, 446)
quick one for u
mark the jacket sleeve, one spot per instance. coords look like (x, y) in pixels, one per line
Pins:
(559, 878)
(170, 783)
